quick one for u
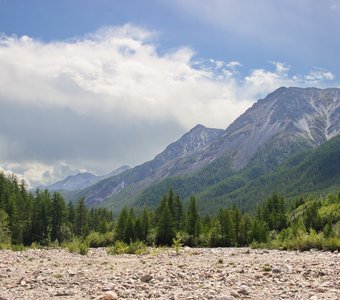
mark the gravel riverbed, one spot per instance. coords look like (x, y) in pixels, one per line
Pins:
(220, 273)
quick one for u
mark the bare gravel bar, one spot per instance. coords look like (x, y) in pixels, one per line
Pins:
(220, 273)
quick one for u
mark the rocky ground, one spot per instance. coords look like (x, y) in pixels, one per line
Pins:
(232, 273)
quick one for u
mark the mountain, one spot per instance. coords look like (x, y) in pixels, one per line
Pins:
(172, 161)
(74, 182)
(275, 128)
(82, 180)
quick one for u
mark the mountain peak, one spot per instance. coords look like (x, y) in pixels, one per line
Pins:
(310, 114)
(198, 127)
(196, 139)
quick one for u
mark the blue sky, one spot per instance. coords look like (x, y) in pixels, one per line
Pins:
(96, 80)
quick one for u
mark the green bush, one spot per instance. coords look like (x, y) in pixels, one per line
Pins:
(5, 246)
(76, 246)
(177, 242)
(83, 248)
(120, 247)
(18, 247)
(97, 239)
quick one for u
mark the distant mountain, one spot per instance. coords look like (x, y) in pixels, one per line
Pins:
(172, 161)
(289, 114)
(82, 180)
(265, 136)
(74, 182)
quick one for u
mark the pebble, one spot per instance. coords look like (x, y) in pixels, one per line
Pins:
(110, 296)
(193, 274)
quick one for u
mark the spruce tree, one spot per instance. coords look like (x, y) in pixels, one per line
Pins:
(58, 214)
(192, 220)
(81, 228)
(121, 224)
(165, 229)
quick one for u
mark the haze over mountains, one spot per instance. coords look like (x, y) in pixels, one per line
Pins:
(82, 180)
(272, 131)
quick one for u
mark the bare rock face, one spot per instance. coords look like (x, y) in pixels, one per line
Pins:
(217, 274)
(309, 116)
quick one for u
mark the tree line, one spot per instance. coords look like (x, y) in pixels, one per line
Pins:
(43, 218)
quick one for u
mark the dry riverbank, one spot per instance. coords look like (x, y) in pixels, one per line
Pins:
(229, 273)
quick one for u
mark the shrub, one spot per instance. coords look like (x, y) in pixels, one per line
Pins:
(97, 239)
(76, 246)
(177, 242)
(83, 248)
(120, 247)
(17, 247)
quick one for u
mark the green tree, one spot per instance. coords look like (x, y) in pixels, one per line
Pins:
(274, 213)
(245, 230)
(58, 215)
(71, 216)
(236, 218)
(178, 213)
(129, 232)
(121, 224)
(5, 235)
(81, 228)
(259, 231)
(165, 228)
(226, 223)
(193, 220)
(145, 224)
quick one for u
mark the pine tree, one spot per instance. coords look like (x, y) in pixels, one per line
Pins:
(145, 224)
(236, 217)
(58, 214)
(121, 224)
(226, 227)
(81, 228)
(71, 216)
(178, 214)
(129, 232)
(274, 213)
(165, 229)
(192, 221)
(5, 234)
(245, 230)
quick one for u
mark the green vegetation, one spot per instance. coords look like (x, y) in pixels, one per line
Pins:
(291, 170)
(45, 219)
(177, 242)
(42, 219)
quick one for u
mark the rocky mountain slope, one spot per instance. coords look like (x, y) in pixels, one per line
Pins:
(82, 180)
(172, 161)
(286, 121)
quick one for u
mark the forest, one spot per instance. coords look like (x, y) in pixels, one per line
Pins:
(45, 219)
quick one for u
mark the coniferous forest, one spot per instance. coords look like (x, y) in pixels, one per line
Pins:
(45, 219)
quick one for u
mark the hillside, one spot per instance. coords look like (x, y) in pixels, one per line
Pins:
(304, 172)
(216, 162)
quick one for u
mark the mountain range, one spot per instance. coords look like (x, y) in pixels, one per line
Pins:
(287, 133)
(82, 180)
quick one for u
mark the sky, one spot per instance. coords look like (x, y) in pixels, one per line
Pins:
(93, 85)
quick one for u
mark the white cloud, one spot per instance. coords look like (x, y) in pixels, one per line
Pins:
(319, 75)
(110, 99)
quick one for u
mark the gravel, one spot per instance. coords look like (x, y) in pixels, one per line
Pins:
(220, 273)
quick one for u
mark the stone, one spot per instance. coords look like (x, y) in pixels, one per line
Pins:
(276, 270)
(146, 278)
(110, 296)
(244, 290)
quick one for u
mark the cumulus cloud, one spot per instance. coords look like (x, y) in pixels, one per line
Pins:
(110, 98)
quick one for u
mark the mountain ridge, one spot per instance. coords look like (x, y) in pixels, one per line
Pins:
(285, 121)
